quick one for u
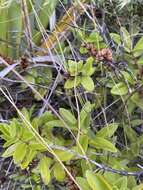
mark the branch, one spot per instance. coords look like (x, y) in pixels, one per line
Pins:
(98, 165)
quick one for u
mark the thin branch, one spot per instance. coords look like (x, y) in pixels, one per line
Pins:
(98, 165)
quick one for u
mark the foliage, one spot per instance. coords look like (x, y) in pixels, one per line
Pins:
(23, 146)
(80, 74)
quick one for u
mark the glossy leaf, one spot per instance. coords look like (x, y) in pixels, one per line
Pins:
(136, 122)
(116, 38)
(84, 166)
(83, 183)
(74, 67)
(26, 134)
(101, 143)
(28, 158)
(59, 123)
(94, 37)
(138, 49)
(14, 127)
(107, 131)
(20, 152)
(59, 172)
(128, 77)
(72, 83)
(44, 169)
(87, 83)
(63, 155)
(83, 50)
(137, 100)
(119, 89)
(131, 134)
(83, 140)
(55, 123)
(37, 146)
(138, 187)
(68, 116)
(121, 183)
(140, 60)
(97, 181)
(88, 68)
(85, 112)
(45, 117)
(10, 141)
(126, 39)
(10, 150)
(5, 130)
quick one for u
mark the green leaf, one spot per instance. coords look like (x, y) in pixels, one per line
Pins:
(87, 83)
(94, 37)
(37, 146)
(84, 166)
(59, 172)
(138, 49)
(97, 182)
(121, 183)
(10, 150)
(101, 143)
(107, 131)
(42, 92)
(29, 79)
(45, 117)
(79, 65)
(85, 112)
(140, 60)
(14, 127)
(116, 38)
(74, 67)
(86, 108)
(135, 148)
(55, 123)
(26, 113)
(29, 157)
(10, 142)
(137, 100)
(128, 77)
(138, 187)
(83, 140)
(59, 123)
(5, 130)
(119, 89)
(83, 50)
(83, 183)
(111, 177)
(63, 155)
(26, 134)
(131, 182)
(131, 134)
(72, 83)
(136, 122)
(20, 152)
(88, 69)
(126, 39)
(44, 165)
(67, 116)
